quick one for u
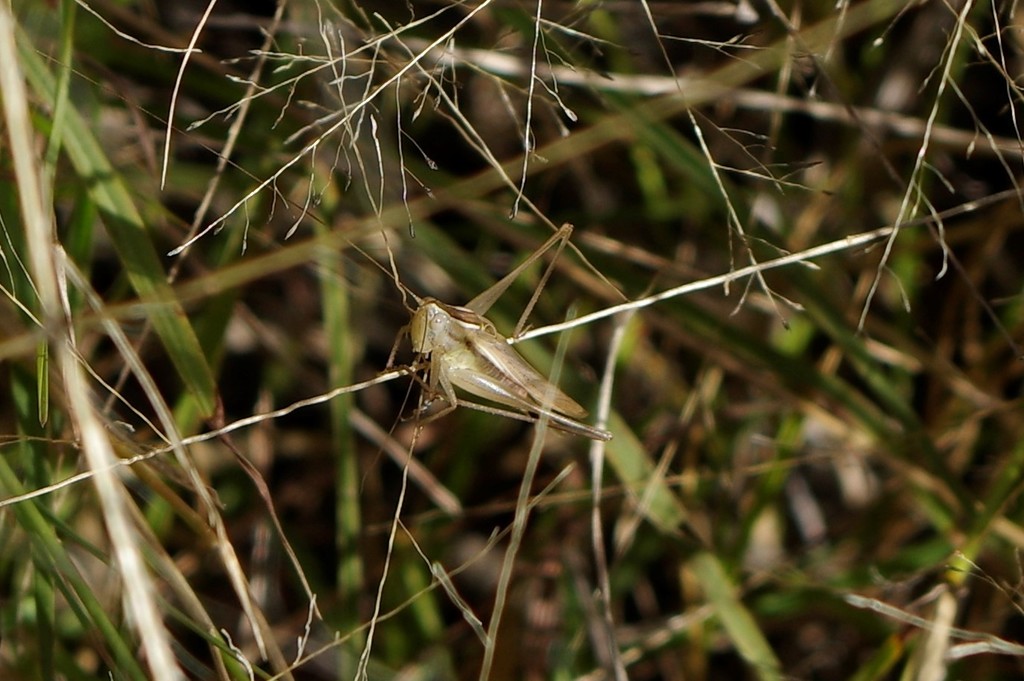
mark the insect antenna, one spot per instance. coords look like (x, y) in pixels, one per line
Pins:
(402, 288)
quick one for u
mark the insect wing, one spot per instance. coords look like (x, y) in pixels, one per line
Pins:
(502, 391)
(503, 363)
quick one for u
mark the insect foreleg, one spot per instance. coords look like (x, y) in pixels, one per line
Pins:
(394, 348)
(439, 376)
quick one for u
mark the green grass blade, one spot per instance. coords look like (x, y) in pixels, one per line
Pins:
(128, 234)
(739, 624)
